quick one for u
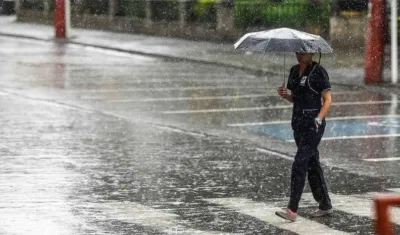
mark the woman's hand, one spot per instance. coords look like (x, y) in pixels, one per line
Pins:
(327, 101)
(282, 91)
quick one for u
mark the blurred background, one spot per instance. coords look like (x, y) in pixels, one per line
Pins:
(343, 22)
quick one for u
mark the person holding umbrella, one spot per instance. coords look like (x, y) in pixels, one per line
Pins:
(311, 97)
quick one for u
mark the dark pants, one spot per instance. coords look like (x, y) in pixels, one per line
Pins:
(307, 161)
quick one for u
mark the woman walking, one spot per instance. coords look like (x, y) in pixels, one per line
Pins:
(311, 97)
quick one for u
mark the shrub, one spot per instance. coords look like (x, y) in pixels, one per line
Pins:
(285, 14)
(278, 13)
(32, 4)
(248, 13)
(204, 11)
(132, 8)
(165, 10)
(94, 7)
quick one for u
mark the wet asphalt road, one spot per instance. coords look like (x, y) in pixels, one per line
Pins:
(99, 142)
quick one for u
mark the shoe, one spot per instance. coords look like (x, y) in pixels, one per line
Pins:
(319, 212)
(287, 214)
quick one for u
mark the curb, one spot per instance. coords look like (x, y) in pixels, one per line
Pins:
(257, 72)
(155, 55)
(24, 37)
(176, 58)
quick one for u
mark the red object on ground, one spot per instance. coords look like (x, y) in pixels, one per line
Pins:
(383, 203)
(59, 19)
(375, 42)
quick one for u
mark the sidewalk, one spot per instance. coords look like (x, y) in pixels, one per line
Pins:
(344, 67)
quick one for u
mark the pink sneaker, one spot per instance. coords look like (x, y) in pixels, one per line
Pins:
(287, 214)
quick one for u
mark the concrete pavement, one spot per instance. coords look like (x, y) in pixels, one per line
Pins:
(346, 66)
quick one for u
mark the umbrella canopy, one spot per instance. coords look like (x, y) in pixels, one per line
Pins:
(283, 40)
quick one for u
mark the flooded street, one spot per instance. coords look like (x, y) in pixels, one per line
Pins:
(103, 142)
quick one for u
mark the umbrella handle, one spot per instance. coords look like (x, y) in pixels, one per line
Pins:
(284, 69)
(320, 54)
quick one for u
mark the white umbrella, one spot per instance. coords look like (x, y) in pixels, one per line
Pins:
(283, 40)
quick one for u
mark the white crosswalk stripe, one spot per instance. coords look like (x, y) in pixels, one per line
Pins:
(168, 222)
(266, 213)
(360, 205)
(136, 213)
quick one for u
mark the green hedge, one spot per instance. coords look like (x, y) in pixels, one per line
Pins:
(248, 13)
(161, 10)
(273, 13)
(285, 14)
(203, 11)
(165, 10)
(198, 10)
(32, 4)
(132, 8)
(94, 7)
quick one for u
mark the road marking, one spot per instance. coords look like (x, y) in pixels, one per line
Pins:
(167, 89)
(146, 216)
(341, 128)
(360, 205)
(355, 137)
(284, 156)
(183, 80)
(266, 212)
(267, 108)
(358, 137)
(3, 93)
(387, 159)
(395, 190)
(258, 123)
(328, 119)
(383, 124)
(135, 100)
(225, 110)
(180, 131)
(190, 98)
(349, 204)
(265, 89)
